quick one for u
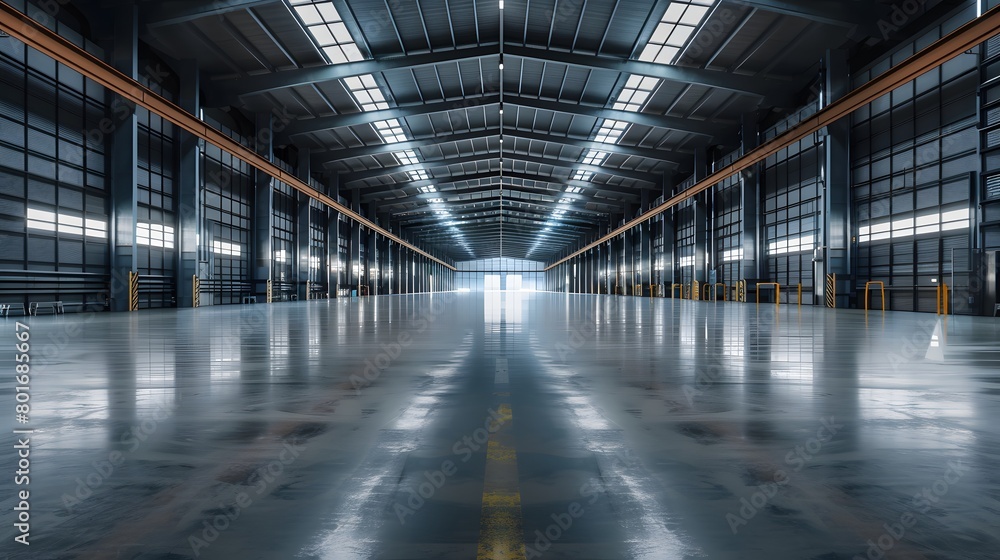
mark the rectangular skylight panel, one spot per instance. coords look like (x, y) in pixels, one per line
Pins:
(427, 189)
(309, 14)
(407, 157)
(595, 157)
(366, 93)
(675, 30)
(575, 190)
(418, 175)
(322, 21)
(328, 12)
(390, 131)
(680, 36)
(693, 15)
(611, 131)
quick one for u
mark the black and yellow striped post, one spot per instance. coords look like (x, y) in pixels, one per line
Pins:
(831, 291)
(133, 291)
(696, 290)
(270, 290)
(308, 290)
(195, 291)
(741, 291)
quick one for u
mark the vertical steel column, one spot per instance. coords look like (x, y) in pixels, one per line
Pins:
(372, 252)
(701, 166)
(188, 185)
(303, 234)
(124, 159)
(188, 199)
(355, 267)
(333, 264)
(753, 255)
(262, 253)
(837, 186)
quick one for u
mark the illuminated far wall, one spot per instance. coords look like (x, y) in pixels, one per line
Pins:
(500, 274)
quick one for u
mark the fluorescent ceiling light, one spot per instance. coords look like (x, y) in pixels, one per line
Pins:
(575, 190)
(582, 176)
(675, 30)
(324, 24)
(419, 175)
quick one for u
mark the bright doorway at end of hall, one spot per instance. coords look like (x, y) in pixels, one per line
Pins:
(497, 282)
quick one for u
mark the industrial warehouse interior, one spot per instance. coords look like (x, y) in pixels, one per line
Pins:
(500, 279)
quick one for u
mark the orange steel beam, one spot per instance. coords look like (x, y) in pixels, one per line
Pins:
(40, 38)
(955, 43)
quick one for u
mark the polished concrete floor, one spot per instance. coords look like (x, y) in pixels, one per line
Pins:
(510, 425)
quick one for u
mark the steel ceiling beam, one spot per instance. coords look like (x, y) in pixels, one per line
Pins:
(51, 44)
(230, 91)
(680, 124)
(324, 157)
(475, 158)
(388, 204)
(470, 206)
(959, 41)
(830, 12)
(159, 14)
(774, 92)
(543, 219)
(304, 126)
(372, 195)
(229, 94)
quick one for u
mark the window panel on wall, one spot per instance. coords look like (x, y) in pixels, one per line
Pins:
(792, 189)
(318, 261)
(52, 181)
(227, 195)
(283, 247)
(728, 234)
(156, 239)
(686, 242)
(900, 212)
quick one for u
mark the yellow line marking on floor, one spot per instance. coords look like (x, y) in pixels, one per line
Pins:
(501, 533)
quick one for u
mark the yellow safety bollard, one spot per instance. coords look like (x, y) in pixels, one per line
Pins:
(725, 291)
(777, 291)
(942, 299)
(831, 291)
(195, 291)
(881, 285)
(677, 288)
